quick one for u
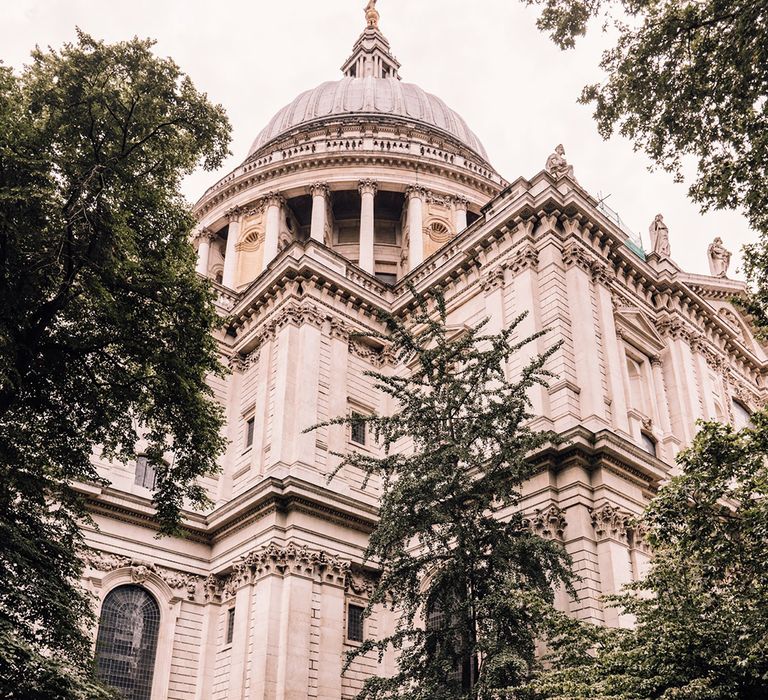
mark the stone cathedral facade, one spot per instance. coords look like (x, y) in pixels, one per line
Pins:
(353, 189)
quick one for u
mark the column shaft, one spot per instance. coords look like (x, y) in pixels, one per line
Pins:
(230, 258)
(274, 203)
(203, 252)
(460, 214)
(415, 227)
(367, 193)
(319, 192)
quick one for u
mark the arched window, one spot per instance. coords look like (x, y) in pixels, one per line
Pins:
(127, 641)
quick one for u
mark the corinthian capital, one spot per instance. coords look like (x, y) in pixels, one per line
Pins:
(367, 187)
(416, 192)
(234, 214)
(319, 189)
(274, 199)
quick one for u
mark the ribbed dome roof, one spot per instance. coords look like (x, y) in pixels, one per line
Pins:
(369, 96)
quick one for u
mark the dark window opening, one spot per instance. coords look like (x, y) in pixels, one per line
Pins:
(386, 277)
(648, 444)
(358, 431)
(145, 474)
(230, 626)
(355, 623)
(127, 641)
(249, 429)
(452, 646)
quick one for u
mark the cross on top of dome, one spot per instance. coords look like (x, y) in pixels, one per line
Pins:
(371, 55)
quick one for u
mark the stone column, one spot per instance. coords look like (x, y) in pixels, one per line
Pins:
(415, 197)
(204, 237)
(230, 257)
(274, 203)
(460, 213)
(367, 193)
(319, 192)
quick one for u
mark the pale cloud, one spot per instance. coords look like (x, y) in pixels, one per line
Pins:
(485, 58)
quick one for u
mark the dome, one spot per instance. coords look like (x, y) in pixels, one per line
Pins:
(369, 96)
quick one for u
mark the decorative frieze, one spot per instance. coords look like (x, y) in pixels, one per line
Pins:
(140, 570)
(276, 560)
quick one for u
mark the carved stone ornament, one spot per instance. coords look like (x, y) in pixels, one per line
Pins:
(549, 523)
(281, 561)
(438, 231)
(141, 570)
(233, 214)
(492, 280)
(610, 522)
(525, 257)
(577, 254)
(367, 187)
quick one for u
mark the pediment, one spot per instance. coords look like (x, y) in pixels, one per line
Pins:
(635, 326)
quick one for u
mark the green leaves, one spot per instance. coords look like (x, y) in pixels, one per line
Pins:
(471, 587)
(687, 80)
(702, 609)
(105, 328)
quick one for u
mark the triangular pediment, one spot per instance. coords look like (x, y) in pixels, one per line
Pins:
(637, 328)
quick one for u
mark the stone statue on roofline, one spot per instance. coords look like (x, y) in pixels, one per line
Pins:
(719, 258)
(557, 166)
(659, 236)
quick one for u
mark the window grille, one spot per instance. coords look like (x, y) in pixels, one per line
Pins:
(230, 626)
(145, 474)
(127, 641)
(355, 623)
(358, 432)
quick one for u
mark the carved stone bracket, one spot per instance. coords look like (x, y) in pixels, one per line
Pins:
(234, 213)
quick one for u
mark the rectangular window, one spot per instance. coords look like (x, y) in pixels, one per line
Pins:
(249, 427)
(358, 432)
(230, 626)
(355, 623)
(145, 473)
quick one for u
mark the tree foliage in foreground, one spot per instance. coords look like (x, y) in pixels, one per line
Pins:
(687, 79)
(702, 609)
(473, 591)
(104, 325)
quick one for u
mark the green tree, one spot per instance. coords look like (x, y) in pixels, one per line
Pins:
(473, 591)
(702, 609)
(105, 328)
(687, 80)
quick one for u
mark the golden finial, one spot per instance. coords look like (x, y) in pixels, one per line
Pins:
(372, 14)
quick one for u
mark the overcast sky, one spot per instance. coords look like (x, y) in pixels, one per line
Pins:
(485, 58)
